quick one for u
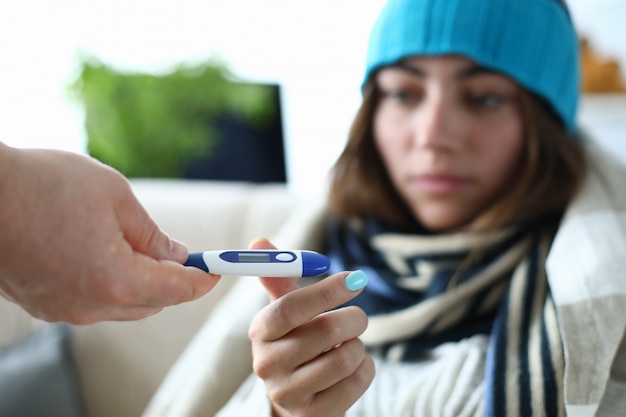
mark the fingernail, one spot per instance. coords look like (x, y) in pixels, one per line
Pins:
(178, 250)
(355, 280)
(257, 240)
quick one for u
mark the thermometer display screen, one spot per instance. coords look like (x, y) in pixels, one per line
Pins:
(253, 257)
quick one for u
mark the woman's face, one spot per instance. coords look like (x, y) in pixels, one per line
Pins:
(450, 136)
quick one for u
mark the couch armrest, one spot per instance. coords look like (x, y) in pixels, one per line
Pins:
(217, 360)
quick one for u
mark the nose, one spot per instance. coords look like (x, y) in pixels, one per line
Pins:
(435, 124)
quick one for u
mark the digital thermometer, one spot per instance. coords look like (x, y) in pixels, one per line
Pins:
(261, 262)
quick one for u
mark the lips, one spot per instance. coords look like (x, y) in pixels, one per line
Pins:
(441, 183)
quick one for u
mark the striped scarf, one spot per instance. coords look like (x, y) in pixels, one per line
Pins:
(425, 290)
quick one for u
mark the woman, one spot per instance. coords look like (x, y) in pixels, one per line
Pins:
(450, 198)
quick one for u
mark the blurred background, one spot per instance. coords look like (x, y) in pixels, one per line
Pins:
(309, 55)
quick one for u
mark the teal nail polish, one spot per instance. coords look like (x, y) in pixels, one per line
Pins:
(355, 280)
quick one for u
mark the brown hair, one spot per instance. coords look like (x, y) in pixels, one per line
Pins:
(551, 171)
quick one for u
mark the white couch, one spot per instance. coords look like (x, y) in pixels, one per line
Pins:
(121, 364)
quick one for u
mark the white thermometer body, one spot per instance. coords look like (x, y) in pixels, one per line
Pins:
(261, 262)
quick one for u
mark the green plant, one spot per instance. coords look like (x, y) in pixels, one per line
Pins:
(149, 125)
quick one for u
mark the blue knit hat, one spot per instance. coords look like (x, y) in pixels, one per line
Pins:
(532, 41)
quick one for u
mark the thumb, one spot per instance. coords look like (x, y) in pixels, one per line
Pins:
(276, 287)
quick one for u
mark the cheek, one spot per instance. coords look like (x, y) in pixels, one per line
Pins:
(389, 142)
(502, 151)
(383, 132)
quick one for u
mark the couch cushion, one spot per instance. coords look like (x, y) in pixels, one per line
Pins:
(38, 376)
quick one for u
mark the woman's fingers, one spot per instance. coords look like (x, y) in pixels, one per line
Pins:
(316, 337)
(301, 305)
(337, 399)
(328, 385)
(320, 374)
(276, 287)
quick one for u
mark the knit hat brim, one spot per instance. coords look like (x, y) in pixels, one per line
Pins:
(532, 41)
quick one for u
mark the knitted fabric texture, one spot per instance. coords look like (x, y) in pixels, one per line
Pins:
(532, 41)
(418, 298)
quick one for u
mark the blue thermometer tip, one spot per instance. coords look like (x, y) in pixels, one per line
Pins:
(314, 264)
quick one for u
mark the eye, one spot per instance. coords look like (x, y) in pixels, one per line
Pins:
(401, 96)
(486, 101)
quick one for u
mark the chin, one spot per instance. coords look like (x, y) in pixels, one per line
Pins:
(439, 222)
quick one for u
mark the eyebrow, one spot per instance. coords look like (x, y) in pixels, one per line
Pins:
(468, 72)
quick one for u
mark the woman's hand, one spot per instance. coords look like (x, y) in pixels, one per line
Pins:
(309, 354)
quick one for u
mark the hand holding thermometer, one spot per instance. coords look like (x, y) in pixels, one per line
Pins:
(261, 262)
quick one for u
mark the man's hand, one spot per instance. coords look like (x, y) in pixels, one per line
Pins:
(77, 246)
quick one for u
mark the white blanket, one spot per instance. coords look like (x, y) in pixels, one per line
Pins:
(587, 276)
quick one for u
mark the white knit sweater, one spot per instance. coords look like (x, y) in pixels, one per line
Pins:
(449, 383)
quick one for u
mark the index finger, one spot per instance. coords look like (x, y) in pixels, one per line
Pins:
(299, 306)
